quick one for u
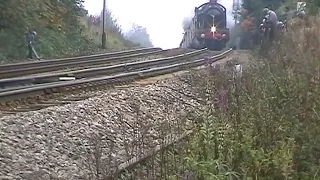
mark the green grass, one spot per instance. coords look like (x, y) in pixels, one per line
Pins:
(266, 124)
(115, 39)
(61, 30)
(270, 120)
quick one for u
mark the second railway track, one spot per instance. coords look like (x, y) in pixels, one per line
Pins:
(21, 82)
(34, 67)
(34, 98)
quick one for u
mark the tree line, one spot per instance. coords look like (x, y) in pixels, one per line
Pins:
(60, 26)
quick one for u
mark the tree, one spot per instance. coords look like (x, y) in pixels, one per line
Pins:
(56, 22)
(313, 6)
(139, 34)
(110, 21)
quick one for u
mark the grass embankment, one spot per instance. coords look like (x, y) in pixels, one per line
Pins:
(264, 125)
(115, 38)
(59, 27)
(270, 119)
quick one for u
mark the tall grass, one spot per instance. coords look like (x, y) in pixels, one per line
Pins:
(261, 124)
(115, 37)
(271, 116)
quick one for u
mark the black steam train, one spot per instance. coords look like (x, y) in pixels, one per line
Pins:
(208, 28)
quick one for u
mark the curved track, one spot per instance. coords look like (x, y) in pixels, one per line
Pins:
(33, 67)
(91, 72)
(16, 100)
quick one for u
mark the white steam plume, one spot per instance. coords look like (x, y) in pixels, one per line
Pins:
(187, 20)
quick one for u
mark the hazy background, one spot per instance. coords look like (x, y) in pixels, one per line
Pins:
(163, 19)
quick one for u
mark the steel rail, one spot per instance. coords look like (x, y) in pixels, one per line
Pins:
(129, 76)
(133, 162)
(78, 74)
(90, 57)
(44, 66)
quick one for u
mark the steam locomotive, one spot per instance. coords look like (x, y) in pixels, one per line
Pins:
(208, 28)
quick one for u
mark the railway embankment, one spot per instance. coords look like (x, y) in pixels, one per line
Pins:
(260, 123)
(112, 127)
(61, 140)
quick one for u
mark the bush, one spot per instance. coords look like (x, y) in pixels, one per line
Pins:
(263, 124)
(270, 118)
(139, 35)
(60, 29)
(115, 36)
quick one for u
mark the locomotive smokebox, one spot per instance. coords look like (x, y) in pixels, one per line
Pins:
(208, 27)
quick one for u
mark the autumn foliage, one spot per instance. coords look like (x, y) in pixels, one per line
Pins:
(247, 24)
(58, 23)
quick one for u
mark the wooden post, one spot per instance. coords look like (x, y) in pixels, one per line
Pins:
(103, 25)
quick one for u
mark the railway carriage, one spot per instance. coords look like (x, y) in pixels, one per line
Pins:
(208, 28)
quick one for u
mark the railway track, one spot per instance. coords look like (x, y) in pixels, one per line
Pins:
(35, 67)
(19, 82)
(91, 72)
(44, 95)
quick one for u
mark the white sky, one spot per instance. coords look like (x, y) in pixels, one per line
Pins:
(162, 18)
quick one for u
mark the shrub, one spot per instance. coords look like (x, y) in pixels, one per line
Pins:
(60, 29)
(272, 114)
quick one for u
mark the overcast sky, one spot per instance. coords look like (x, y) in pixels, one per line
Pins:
(163, 18)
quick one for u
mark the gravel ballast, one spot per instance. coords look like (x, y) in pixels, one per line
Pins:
(61, 141)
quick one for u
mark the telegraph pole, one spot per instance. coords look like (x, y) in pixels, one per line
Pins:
(234, 12)
(236, 9)
(104, 36)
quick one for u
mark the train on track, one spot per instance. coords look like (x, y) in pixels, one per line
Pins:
(208, 28)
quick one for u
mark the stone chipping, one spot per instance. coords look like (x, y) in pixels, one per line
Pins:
(61, 142)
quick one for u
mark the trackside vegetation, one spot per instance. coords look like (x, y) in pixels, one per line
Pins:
(264, 125)
(61, 29)
(261, 124)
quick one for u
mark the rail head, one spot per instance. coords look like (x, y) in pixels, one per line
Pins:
(28, 78)
(13, 95)
(19, 64)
